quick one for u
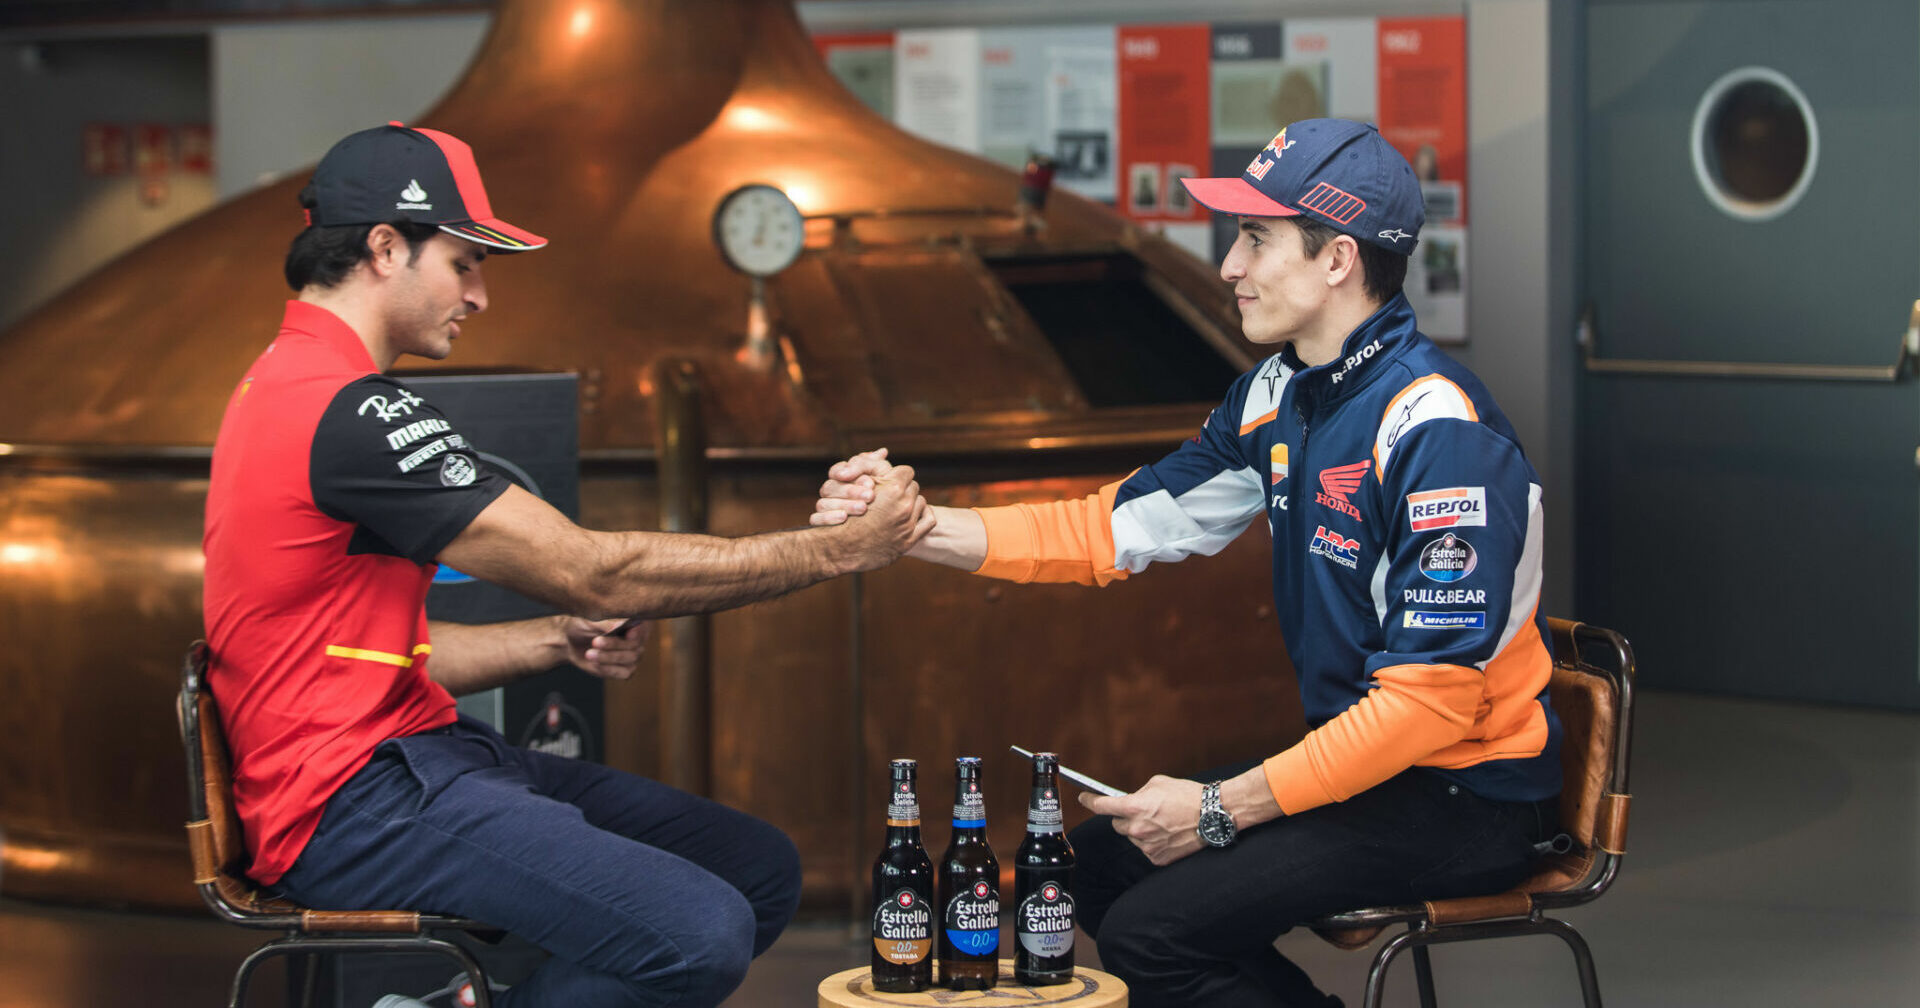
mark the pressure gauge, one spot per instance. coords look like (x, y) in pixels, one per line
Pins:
(758, 229)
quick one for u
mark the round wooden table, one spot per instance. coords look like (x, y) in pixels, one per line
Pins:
(1089, 988)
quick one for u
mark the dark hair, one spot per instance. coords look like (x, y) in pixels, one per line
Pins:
(323, 256)
(1384, 271)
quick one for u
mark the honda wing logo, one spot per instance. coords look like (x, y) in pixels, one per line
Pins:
(1338, 483)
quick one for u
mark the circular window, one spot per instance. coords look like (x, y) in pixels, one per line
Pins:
(1755, 144)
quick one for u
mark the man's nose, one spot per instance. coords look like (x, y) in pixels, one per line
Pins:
(476, 294)
(1233, 265)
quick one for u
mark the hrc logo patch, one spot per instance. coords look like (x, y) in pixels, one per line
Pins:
(1335, 547)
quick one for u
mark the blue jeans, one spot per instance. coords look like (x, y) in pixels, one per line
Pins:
(643, 894)
(1200, 931)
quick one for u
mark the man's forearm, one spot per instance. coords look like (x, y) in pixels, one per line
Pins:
(468, 658)
(958, 539)
(665, 574)
(521, 542)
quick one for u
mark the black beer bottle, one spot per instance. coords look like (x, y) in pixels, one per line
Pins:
(969, 889)
(903, 908)
(1043, 886)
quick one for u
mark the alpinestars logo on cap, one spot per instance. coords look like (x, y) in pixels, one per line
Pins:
(1395, 235)
(413, 197)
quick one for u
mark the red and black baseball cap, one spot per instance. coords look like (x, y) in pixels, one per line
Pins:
(1340, 173)
(394, 172)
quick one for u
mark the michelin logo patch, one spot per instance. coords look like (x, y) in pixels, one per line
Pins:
(1450, 508)
(1416, 620)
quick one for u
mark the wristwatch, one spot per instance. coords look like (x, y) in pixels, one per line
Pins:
(1216, 827)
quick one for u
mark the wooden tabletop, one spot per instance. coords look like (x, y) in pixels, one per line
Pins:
(1089, 988)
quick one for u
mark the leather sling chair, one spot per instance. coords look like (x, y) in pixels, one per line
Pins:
(1592, 692)
(219, 869)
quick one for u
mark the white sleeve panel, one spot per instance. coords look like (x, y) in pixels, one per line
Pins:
(1527, 574)
(1159, 528)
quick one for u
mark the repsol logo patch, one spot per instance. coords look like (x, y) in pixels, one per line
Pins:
(1450, 508)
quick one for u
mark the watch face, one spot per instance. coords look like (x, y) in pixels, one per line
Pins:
(758, 229)
(1216, 828)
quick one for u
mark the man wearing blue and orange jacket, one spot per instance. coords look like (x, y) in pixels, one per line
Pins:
(1407, 539)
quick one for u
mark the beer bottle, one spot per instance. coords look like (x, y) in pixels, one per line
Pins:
(903, 892)
(1043, 886)
(969, 889)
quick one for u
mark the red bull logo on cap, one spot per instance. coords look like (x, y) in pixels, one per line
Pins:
(1260, 165)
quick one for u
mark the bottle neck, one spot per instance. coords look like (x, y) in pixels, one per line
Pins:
(969, 808)
(903, 832)
(1043, 808)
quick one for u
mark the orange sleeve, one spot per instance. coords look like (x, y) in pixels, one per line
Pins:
(1066, 540)
(1416, 711)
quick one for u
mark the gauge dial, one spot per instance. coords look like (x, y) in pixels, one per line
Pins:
(758, 229)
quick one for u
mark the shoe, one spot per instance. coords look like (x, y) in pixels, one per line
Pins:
(399, 1001)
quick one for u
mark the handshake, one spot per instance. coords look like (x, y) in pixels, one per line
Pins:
(880, 504)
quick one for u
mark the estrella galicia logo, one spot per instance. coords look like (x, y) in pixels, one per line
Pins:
(973, 919)
(457, 470)
(1448, 558)
(1336, 547)
(447, 575)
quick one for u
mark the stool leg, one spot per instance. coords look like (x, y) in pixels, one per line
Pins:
(1423, 973)
(1382, 960)
(1582, 958)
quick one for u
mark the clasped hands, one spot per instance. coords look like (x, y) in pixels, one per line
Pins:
(850, 487)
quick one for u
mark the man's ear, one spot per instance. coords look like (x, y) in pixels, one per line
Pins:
(1343, 259)
(386, 249)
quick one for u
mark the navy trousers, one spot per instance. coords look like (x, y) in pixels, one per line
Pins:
(1201, 930)
(643, 894)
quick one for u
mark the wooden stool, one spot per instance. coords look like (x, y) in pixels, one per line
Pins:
(1089, 988)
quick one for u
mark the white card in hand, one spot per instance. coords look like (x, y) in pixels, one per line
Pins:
(1077, 777)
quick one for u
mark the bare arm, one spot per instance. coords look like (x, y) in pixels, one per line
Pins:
(958, 539)
(468, 658)
(521, 542)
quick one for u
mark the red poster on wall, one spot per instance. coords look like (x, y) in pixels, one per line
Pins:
(152, 149)
(196, 149)
(1165, 119)
(1423, 106)
(104, 149)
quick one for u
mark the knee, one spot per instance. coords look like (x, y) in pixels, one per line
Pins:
(715, 960)
(775, 901)
(1128, 938)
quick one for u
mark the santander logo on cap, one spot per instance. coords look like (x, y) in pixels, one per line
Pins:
(413, 197)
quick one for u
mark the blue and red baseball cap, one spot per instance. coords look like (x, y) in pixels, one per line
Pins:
(1341, 173)
(393, 173)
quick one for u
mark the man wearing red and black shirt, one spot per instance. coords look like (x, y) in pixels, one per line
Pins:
(335, 492)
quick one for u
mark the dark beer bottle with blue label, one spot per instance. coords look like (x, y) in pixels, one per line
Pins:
(969, 889)
(903, 906)
(1043, 886)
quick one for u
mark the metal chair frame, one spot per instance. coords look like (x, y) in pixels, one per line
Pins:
(213, 832)
(1578, 876)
